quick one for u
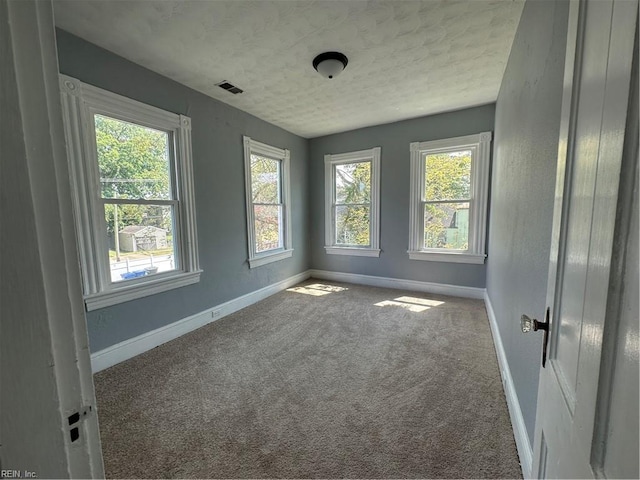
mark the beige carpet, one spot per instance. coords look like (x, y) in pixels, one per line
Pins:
(326, 380)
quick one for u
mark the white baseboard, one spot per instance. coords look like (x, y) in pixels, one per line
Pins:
(517, 420)
(401, 284)
(135, 346)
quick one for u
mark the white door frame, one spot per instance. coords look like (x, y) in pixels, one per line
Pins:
(45, 348)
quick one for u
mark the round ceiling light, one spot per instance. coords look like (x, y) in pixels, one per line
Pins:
(330, 64)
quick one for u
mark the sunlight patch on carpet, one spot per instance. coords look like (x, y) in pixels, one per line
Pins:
(407, 306)
(413, 304)
(419, 301)
(317, 289)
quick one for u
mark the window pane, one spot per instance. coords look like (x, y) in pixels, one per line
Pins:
(446, 225)
(448, 176)
(352, 226)
(268, 227)
(265, 179)
(353, 182)
(144, 243)
(133, 160)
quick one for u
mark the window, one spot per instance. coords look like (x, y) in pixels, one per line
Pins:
(449, 184)
(268, 212)
(352, 202)
(131, 173)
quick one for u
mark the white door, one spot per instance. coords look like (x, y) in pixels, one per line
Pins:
(583, 296)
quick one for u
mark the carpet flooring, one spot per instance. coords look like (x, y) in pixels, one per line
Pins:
(324, 380)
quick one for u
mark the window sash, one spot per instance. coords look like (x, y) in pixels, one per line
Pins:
(425, 201)
(174, 257)
(176, 232)
(460, 200)
(172, 167)
(278, 183)
(278, 178)
(136, 201)
(335, 178)
(335, 225)
(424, 228)
(100, 227)
(335, 205)
(269, 204)
(424, 171)
(280, 211)
(372, 157)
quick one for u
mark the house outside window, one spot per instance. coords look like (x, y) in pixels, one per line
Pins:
(352, 203)
(449, 195)
(131, 172)
(268, 202)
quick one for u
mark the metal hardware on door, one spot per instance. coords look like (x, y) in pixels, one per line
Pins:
(527, 324)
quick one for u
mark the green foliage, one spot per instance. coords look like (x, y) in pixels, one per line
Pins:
(353, 199)
(445, 226)
(267, 220)
(265, 180)
(266, 196)
(133, 163)
(133, 160)
(447, 177)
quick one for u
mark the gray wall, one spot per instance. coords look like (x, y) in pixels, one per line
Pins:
(523, 184)
(219, 191)
(394, 138)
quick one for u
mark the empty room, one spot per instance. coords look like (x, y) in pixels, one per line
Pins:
(319, 239)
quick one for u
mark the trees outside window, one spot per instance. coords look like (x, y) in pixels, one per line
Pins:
(134, 165)
(447, 198)
(352, 203)
(267, 198)
(449, 187)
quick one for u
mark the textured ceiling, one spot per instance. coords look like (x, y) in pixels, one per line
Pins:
(406, 58)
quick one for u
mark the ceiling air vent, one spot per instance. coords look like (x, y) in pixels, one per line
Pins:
(229, 88)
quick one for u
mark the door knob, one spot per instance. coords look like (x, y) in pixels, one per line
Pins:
(527, 324)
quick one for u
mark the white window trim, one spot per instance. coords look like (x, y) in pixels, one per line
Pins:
(479, 145)
(79, 102)
(331, 248)
(270, 256)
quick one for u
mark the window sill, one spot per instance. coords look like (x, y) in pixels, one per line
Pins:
(354, 251)
(451, 257)
(125, 293)
(270, 258)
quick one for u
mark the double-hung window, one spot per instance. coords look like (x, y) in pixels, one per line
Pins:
(352, 203)
(449, 188)
(267, 199)
(131, 173)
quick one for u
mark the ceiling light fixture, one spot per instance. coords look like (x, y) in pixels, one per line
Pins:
(330, 64)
